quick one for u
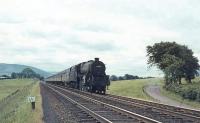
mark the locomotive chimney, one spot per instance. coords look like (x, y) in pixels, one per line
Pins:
(96, 59)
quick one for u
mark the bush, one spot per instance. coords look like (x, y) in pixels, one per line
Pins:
(173, 87)
(187, 92)
(198, 96)
(190, 94)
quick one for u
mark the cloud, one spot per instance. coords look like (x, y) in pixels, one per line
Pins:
(94, 28)
(10, 19)
(54, 35)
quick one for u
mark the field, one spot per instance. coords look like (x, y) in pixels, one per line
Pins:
(15, 108)
(9, 86)
(132, 88)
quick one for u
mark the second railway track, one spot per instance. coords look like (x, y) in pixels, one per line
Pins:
(183, 111)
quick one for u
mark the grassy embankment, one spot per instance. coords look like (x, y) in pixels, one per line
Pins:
(132, 88)
(16, 108)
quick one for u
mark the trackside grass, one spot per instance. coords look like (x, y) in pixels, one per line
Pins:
(16, 109)
(132, 88)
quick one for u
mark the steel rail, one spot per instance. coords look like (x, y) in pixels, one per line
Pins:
(117, 109)
(131, 103)
(148, 104)
(93, 114)
(160, 106)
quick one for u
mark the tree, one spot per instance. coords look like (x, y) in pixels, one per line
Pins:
(173, 73)
(120, 78)
(13, 75)
(129, 77)
(175, 60)
(28, 73)
(191, 65)
(19, 75)
(113, 78)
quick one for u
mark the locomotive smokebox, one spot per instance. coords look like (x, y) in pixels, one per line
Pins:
(96, 59)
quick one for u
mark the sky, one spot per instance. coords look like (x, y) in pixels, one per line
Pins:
(55, 34)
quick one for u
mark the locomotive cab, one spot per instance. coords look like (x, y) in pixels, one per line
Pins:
(99, 78)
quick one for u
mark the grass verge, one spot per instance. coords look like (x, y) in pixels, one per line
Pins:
(16, 108)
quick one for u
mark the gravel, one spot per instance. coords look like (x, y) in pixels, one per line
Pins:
(55, 110)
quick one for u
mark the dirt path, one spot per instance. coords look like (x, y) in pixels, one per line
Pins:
(154, 91)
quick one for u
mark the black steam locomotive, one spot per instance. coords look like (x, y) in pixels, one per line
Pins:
(87, 76)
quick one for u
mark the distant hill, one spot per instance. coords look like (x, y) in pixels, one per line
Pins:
(7, 69)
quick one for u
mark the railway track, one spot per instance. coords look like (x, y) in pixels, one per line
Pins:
(156, 111)
(185, 111)
(99, 111)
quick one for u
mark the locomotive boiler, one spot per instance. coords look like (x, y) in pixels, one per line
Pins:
(87, 76)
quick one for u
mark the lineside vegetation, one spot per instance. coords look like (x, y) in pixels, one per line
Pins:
(188, 90)
(177, 62)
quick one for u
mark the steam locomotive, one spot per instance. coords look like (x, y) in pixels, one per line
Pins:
(87, 76)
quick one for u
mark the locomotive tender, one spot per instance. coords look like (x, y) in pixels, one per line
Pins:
(88, 76)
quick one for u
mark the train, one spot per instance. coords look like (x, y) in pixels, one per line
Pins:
(86, 76)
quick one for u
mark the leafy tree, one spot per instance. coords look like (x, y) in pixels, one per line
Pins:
(27, 73)
(175, 60)
(129, 77)
(113, 78)
(173, 73)
(19, 75)
(125, 77)
(190, 68)
(136, 77)
(120, 78)
(13, 75)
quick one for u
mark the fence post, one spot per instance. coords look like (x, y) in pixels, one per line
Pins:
(31, 99)
(33, 105)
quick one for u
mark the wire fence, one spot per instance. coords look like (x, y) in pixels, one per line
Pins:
(10, 104)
